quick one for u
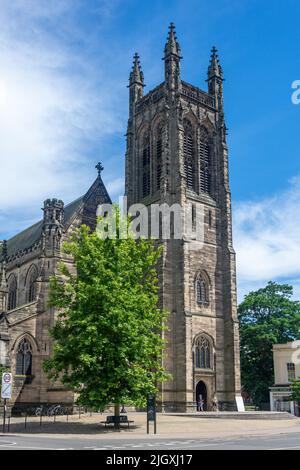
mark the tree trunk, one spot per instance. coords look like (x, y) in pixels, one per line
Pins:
(117, 416)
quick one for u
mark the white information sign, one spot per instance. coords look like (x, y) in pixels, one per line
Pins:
(6, 388)
(240, 403)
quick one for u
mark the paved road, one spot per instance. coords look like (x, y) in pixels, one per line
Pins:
(290, 441)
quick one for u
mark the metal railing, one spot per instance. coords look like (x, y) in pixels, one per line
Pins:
(40, 414)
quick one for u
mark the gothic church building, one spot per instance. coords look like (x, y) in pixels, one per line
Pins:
(176, 154)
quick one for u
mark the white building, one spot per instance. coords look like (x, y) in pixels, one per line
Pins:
(286, 359)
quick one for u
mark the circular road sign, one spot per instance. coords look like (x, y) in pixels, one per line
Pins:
(6, 378)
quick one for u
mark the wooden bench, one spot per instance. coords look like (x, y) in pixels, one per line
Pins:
(113, 419)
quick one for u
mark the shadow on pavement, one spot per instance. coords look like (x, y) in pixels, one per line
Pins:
(33, 427)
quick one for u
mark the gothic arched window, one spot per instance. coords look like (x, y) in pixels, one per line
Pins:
(31, 284)
(24, 358)
(146, 161)
(202, 290)
(12, 292)
(189, 155)
(205, 177)
(159, 153)
(203, 353)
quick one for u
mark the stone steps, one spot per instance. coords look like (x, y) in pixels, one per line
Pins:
(273, 415)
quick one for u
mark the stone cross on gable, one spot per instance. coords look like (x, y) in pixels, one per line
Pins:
(100, 168)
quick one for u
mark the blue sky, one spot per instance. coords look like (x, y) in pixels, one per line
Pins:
(64, 67)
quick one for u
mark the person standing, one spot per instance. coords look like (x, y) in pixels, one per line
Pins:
(200, 403)
(214, 404)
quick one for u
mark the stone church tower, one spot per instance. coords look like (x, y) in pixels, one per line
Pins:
(177, 154)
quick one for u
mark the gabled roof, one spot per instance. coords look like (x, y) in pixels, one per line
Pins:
(30, 236)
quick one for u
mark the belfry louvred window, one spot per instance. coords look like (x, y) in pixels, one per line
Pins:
(189, 155)
(205, 183)
(159, 151)
(146, 157)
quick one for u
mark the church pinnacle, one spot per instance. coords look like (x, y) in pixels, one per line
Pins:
(136, 84)
(3, 278)
(3, 249)
(215, 80)
(3, 283)
(214, 69)
(172, 45)
(172, 61)
(136, 75)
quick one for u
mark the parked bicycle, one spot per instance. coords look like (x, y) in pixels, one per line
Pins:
(51, 410)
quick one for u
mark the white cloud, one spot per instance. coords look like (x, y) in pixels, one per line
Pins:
(267, 239)
(52, 107)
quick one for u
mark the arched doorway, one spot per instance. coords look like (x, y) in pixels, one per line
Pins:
(201, 392)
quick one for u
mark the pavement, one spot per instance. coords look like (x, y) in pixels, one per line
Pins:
(173, 432)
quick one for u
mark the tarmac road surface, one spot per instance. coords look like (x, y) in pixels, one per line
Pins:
(289, 441)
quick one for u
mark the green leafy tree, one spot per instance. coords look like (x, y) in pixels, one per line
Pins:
(108, 344)
(296, 390)
(3, 369)
(267, 316)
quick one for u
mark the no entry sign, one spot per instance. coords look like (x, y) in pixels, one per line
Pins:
(6, 389)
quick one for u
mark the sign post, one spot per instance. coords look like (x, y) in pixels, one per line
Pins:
(151, 411)
(6, 393)
(240, 403)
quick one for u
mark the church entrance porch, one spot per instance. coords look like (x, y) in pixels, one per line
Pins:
(201, 396)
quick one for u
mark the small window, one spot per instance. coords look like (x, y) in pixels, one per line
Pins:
(210, 219)
(194, 215)
(291, 371)
(202, 291)
(24, 358)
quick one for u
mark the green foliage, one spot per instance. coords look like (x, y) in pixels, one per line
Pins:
(3, 369)
(108, 342)
(267, 316)
(296, 390)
